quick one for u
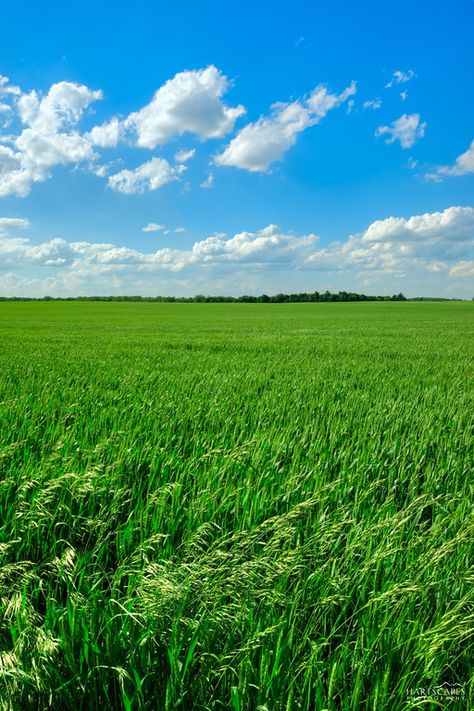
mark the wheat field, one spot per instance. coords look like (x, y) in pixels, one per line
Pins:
(236, 506)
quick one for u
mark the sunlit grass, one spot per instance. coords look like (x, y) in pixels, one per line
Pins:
(235, 506)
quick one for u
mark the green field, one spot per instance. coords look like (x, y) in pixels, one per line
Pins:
(227, 506)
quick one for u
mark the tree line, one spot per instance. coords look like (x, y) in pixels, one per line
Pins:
(307, 297)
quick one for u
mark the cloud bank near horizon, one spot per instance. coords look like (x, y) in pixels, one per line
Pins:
(437, 247)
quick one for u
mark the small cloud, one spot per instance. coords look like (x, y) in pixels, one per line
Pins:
(403, 95)
(350, 106)
(148, 176)
(180, 229)
(464, 165)
(153, 227)
(209, 182)
(400, 77)
(184, 156)
(101, 171)
(412, 163)
(166, 232)
(372, 104)
(406, 129)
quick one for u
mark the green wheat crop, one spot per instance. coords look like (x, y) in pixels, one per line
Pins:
(232, 506)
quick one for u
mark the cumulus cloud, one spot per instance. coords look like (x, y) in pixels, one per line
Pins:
(269, 245)
(427, 242)
(438, 245)
(463, 165)
(190, 102)
(63, 104)
(261, 143)
(444, 234)
(180, 229)
(394, 241)
(49, 139)
(184, 156)
(407, 129)
(148, 176)
(400, 77)
(107, 135)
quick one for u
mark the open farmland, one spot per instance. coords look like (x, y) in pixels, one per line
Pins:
(232, 506)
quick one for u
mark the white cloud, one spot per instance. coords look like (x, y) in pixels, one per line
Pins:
(148, 176)
(372, 104)
(464, 165)
(403, 95)
(101, 171)
(184, 156)
(263, 142)
(321, 101)
(405, 249)
(464, 268)
(8, 89)
(397, 253)
(400, 77)
(107, 135)
(153, 227)
(191, 102)
(16, 174)
(8, 224)
(209, 182)
(446, 234)
(64, 104)
(49, 138)
(180, 229)
(425, 243)
(407, 129)
(269, 245)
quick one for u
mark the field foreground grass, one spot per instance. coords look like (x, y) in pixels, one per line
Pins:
(236, 506)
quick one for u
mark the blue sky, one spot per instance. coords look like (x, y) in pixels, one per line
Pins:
(181, 148)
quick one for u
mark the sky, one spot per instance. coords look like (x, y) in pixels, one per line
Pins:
(176, 148)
